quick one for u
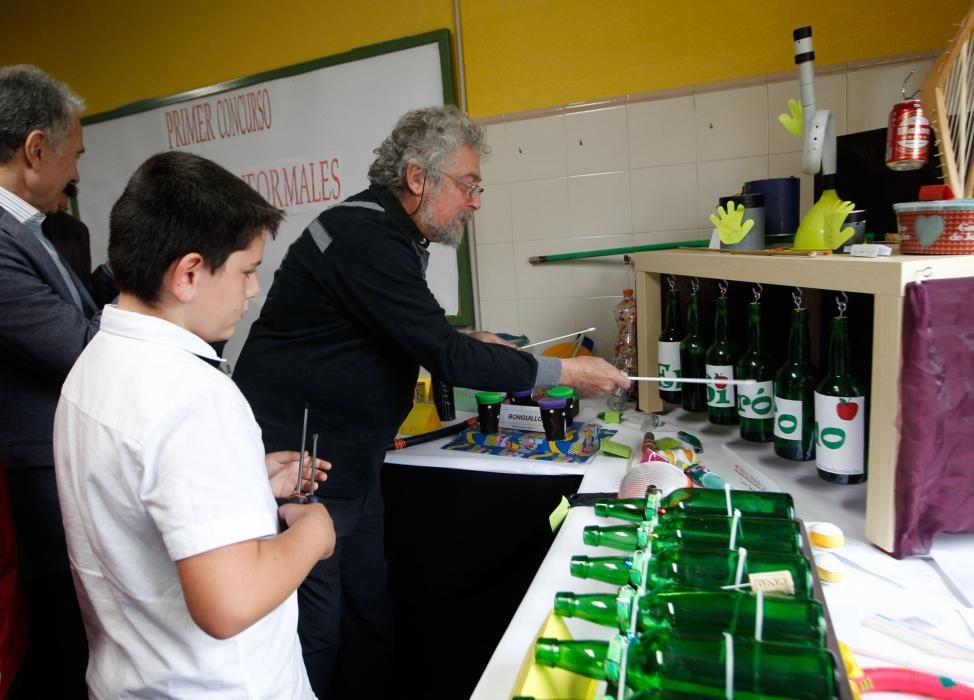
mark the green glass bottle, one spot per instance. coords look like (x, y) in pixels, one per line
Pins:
(711, 531)
(840, 415)
(722, 355)
(698, 501)
(774, 618)
(668, 349)
(716, 666)
(755, 402)
(693, 359)
(794, 395)
(698, 569)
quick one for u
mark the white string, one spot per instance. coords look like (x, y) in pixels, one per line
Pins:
(733, 533)
(759, 618)
(741, 558)
(729, 666)
(727, 490)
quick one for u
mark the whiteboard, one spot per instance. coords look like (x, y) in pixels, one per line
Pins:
(303, 137)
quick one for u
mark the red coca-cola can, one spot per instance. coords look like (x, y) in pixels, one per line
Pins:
(907, 136)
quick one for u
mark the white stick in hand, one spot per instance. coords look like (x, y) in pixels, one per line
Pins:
(691, 380)
(551, 340)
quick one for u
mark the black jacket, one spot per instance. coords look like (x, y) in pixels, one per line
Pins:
(347, 322)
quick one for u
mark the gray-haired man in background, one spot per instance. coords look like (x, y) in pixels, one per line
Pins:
(46, 318)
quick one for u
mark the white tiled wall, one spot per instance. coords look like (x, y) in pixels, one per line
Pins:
(632, 174)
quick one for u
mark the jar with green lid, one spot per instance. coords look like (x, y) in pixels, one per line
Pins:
(571, 402)
(489, 410)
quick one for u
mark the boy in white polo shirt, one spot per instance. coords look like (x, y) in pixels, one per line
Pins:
(186, 585)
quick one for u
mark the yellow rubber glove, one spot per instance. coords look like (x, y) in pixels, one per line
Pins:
(835, 235)
(793, 122)
(729, 226)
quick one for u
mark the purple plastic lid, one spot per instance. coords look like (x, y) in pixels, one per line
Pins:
(550, 403)
(526, 394)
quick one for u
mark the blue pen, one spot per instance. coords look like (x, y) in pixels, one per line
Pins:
(703, 476)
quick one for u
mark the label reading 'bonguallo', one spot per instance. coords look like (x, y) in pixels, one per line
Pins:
(787, 418)
(756, 400)
(669, 364)
(840, 428)
(720, 393)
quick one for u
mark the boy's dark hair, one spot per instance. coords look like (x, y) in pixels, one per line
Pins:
(178, 203)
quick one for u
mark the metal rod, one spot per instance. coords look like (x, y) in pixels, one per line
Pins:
(304, 437)
(551, 340)
(314, 464)
(534, 260)
(693, 380)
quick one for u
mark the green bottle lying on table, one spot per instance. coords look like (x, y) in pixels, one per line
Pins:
(712, 531)
(772, 618)
(698, 501)
(702, 569)
(718, 666)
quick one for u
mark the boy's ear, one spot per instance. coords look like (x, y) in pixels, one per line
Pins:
(183, 280)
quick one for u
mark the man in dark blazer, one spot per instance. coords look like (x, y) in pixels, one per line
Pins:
(46, 318)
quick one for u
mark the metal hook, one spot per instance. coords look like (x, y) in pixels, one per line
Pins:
(694, 285)
(842, 303)
(671, 281)
(903, 87)
(924, 274)
(722, 285)
(757, 290)
(798, 296)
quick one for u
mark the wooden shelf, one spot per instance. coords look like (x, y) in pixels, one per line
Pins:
(885, 278)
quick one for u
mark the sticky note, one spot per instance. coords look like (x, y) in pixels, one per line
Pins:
(559, 514)
(615, 448)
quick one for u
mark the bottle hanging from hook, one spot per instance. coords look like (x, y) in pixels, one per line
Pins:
(757, 290)
(671, 281)
(798, 296)
(694, 285)
(842, 303)
(722, 286)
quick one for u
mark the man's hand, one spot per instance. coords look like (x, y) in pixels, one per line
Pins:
(282, 472)
(487, 337)
(592, 376)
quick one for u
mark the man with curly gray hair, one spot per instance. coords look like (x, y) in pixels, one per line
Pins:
(348, 322)
(46, 318)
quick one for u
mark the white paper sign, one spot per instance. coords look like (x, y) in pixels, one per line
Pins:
(669, 364)
(787, 418)
(840, 428)
(720, 394)
(521, 418)
(756, 400)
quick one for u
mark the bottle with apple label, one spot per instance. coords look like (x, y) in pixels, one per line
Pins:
(794, 392)
(721, 358)
(693, 355)
(840, 413)
(755, 402)
(669, 346)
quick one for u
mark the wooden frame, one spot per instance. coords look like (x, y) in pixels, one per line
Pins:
(885, 278)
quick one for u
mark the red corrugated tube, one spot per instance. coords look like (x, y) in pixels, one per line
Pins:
(902, 680)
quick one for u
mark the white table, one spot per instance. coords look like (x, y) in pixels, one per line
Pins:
(857, 596)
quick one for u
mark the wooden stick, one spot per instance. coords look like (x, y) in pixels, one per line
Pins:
(693, 380)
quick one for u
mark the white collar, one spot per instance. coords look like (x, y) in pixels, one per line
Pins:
(19, 208)
(151, 329)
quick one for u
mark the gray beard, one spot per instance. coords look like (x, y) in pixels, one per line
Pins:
(451, 234)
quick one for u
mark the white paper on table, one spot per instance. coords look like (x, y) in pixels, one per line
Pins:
(745, 476)
(954, 555)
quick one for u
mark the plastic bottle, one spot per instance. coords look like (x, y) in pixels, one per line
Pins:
(716, 666)
(773, 618)
(794, 395)
(668, 349)
(698, 501)
(755, 403)
(624, 355)
(840, 415)
(700, 569)
(718, 531)
(722, 355)
(693, 354)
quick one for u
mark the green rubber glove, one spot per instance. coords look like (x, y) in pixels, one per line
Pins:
(835, 235)
(793, 122)
(729, 226)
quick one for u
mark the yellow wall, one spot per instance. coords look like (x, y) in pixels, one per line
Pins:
(520, 54)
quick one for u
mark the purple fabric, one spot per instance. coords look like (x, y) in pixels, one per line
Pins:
(935, 467)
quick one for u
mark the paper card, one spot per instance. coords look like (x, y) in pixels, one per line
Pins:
(521, 418)
(756, 400)
(720, 394)
(788, 418)
(772, 582)
(669, 364)
(840, 434)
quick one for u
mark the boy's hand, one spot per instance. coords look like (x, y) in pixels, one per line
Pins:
(292, 513)
(282, 472)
